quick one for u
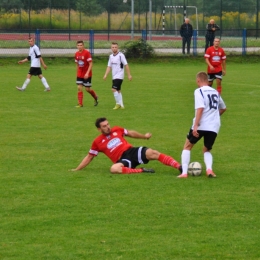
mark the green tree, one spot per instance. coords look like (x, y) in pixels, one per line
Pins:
(11, 5)
(90, 7)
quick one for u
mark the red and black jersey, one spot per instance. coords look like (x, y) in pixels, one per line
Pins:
(83, 59)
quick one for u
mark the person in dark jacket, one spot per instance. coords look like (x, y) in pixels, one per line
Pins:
(186, 32)
(210, 34)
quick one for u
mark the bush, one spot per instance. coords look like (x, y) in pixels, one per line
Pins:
(138, 49)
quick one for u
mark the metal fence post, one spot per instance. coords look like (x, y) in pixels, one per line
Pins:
(144, 35)
(194, 39)
(244, 42)
(91, 42)
(37, 38)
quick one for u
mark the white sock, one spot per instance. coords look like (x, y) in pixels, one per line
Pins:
(121, 99)
(185, 160)
(44, 82)
(25, 84)
(208, 159)
(117, 98)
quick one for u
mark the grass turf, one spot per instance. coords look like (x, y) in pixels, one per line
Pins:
(48, 212)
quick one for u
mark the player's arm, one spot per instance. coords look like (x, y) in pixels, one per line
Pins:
(89, 69)
(135, 134)
(128, 72)
(198, 116)
(209, 64)
(224, 67)
(42, 62)
(85, 162)
(107, 72)
(24, 60)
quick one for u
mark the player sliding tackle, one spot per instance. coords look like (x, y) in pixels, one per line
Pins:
(125, 157)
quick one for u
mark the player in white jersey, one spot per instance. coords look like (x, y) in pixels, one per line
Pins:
(35, 69)
(117, 62)
(209, 106)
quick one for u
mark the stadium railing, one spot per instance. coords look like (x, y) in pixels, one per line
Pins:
(168, 42)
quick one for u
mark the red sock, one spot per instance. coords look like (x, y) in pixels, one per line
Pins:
(168, 160)
(93, 94)
(126, 170)
(80, 98)
(219, 89)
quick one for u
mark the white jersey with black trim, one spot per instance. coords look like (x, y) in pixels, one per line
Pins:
(209, 99)
(35, 54)
(117, 63)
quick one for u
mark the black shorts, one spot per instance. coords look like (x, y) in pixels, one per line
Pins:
(134, 157)
(212, 76)
(116, 84)
(84, 82)
(35, 71)
(209, 138)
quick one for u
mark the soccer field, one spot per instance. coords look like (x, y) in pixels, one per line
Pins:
(48, 212)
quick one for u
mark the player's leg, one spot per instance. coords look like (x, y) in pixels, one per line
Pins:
(211, 77)
(87, 84)
(116, 87)
(188, 45)
(190, 141)
(124, 169)
(79, 83)
(44, 82)
(209, 139)
(218, 82)
(183, 45)
(121, 100)
(26, 82)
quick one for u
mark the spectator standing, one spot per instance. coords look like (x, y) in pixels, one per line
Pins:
(210, 34)
(35, 69)
(186, 32)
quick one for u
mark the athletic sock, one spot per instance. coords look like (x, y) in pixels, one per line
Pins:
(168, 160)
(208, 159)
(116, 96)
(126, 170)
(185, 160)
(219, 89)
(93, 94)
(80, 98)
(25, 84)
(44, 82)
(121, 99)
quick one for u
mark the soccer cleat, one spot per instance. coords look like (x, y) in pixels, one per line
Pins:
(183, 175)
(117, 106)
(47, 89)
(79, 105)
(20, 89)
(122, 107)
(211, 174)
(96, 101)
(148, 170)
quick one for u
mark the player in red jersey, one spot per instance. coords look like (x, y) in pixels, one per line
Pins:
(215, 57)
(125, 157)
(84, 73)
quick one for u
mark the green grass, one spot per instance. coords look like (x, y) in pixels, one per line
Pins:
(48, 212)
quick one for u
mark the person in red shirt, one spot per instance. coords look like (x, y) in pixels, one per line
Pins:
(83, 60)
(215, 57)
(124, 156)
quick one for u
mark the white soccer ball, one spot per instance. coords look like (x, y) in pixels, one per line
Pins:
(195, 169)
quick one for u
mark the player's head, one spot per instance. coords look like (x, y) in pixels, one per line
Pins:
(114, 47)
(103, 125)
(31, 41)
(202, 79)
(216, 42)
(80, 45)
(211, 21)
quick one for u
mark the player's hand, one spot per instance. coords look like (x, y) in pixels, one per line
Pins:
(223, 72)
(130, 77)
(211, 68)
(44, 66)
(105, 77)
(148, 135)
(20, 62)
(72, 170)
(86, 76)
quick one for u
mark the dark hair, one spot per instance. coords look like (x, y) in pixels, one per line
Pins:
(99, 120)
(80, 42)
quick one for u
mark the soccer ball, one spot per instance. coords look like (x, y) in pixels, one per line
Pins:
(195, 169)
